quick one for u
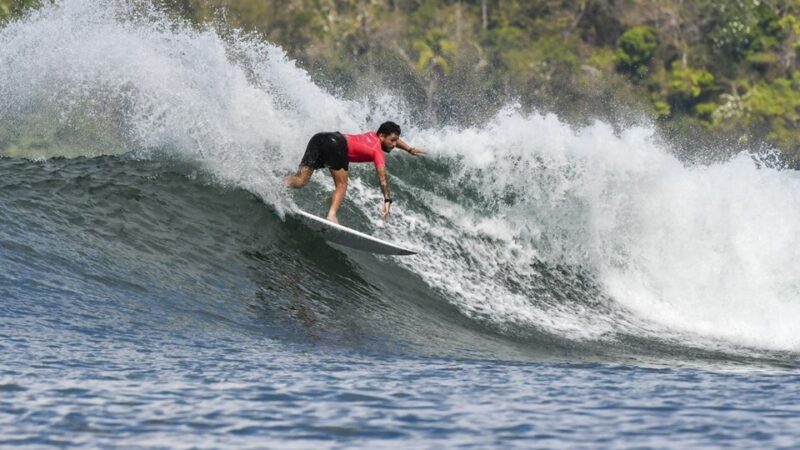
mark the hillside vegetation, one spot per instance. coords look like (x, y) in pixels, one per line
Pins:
(724, 67)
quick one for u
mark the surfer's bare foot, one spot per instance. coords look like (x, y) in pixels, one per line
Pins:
(332, 219)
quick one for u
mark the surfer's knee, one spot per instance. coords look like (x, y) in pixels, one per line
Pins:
(300, 179)
(339, 178)
(294, 181)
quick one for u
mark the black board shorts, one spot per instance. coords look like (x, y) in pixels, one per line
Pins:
(326, 150)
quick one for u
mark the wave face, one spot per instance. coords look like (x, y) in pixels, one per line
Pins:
(538, 238)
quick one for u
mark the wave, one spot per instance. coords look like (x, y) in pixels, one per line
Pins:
(531, 227)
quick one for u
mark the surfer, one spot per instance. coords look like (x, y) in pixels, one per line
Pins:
(336, 151)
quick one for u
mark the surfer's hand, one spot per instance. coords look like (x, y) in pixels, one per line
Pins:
(416, 151)
(385, 210)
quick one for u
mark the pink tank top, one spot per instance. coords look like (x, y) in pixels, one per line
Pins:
(364, 148)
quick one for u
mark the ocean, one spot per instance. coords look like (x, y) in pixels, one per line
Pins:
(576, 287)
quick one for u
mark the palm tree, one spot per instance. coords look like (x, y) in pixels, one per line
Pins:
(435, 52)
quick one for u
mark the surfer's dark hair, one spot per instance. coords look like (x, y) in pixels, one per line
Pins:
(388, 128)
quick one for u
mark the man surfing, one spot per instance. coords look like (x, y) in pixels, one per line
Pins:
(336, 151)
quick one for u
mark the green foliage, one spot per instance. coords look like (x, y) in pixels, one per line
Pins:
(504, 38)
(542, 61)
(688, 85)
(761, 59)
(661, 109)
(776, 106)
(789, 24)
(12, 8)
(635, 49)
(740, 27)
(435, 52)
(769, 28)
(603, 58)
(705, 111)
(732, 38)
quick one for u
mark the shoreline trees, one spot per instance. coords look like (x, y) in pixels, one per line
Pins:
(719, 67)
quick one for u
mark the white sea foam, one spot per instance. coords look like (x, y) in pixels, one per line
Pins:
(168, 87)
(711, 250)
(705, 253)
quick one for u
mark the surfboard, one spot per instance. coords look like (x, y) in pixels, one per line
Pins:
(339, 234)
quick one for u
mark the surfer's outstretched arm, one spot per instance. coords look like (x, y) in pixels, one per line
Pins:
(384, 183)
(411, 150)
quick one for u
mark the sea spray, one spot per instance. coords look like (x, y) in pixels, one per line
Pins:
(713, 251)
(161, 87)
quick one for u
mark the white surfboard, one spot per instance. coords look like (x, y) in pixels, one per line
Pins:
(348, 237)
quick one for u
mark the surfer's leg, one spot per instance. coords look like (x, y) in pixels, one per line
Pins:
(300, 179)
(340, 180)
(313, 159)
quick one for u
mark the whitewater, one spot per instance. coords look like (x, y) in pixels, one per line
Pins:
(149, 256)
